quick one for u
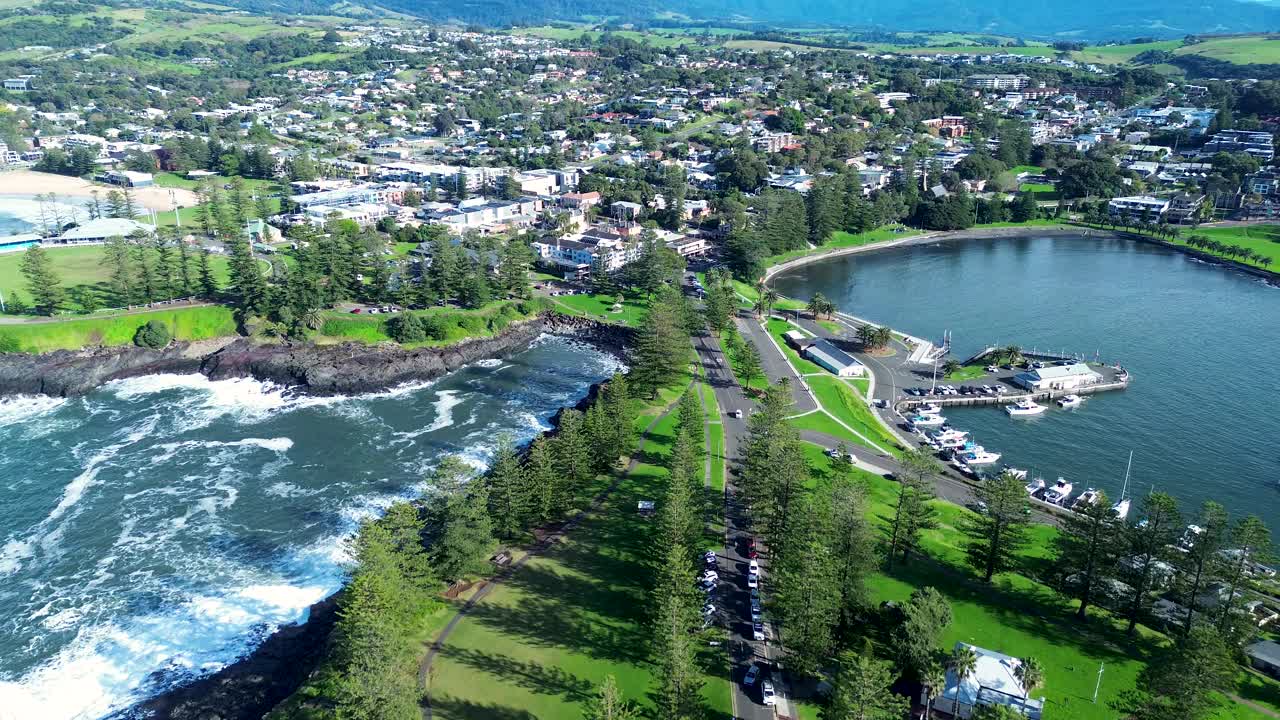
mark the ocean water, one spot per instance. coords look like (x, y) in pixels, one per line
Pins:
(1200, 415)
(12, 225)
(161, 527)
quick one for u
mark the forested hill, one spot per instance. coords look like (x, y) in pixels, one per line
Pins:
(1094, 20)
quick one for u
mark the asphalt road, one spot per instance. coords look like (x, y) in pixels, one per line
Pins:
(732, 595)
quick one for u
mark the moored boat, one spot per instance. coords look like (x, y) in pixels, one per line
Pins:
(1058, 493)
(1025, 406)
(1070, 401)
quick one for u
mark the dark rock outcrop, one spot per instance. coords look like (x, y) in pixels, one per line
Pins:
(345, 368)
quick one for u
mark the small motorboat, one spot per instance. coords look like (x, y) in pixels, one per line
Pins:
(929, 409)
(1020, 474)
(1087, 498)
(1058, 493)
(1025, 406)
(1035, 487)
(924, 421)
(1070, 401)
(979, 456)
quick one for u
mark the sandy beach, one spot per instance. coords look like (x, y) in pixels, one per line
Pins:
(28, 183)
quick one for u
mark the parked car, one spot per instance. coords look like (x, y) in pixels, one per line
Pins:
(766, 693)
(710, 575)
(710, 557)
(754, 567)
(753, 581)
(738, 413)
(753, 672)
(757, 630)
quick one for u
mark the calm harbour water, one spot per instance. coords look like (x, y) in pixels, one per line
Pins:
(162, 526)
(1201, 414)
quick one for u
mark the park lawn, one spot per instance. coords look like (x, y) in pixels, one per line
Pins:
(1262, 239)
(600, 307)
(863, 385)
(77, 267)
(842, 402)
(544, 639)
(820, 421)
(1041, 191)
(776, 329)
(189, 323)
(967, 372)
(1033, 169)
(459, 324)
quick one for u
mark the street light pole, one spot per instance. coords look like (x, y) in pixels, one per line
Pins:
(1096, 688)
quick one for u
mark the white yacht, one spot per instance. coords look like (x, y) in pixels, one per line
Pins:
(1059, 492)
(923, 421)
(950, 443)
(1035, 486)
(947, 433)
(1070, 401)
(929, 409)
(1087, 498)
(1121, 509)
(1025, 406)
(979, 456)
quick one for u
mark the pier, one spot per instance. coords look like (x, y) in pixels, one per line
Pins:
(1113, 379)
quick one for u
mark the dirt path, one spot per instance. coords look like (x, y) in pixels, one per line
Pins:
(424, 668)
(1254, 706)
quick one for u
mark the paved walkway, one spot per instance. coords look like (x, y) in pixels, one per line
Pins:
(424, 667)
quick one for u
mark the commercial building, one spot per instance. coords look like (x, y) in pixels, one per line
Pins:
(832, 358)
(1257, 144)
(986, 81)
(126, 178)
(100, 230)
(994, 681)
(1137, 206)
(14, 243)
(1058, 377)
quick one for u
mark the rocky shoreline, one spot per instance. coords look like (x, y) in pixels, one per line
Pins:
(256, 683)
(340, 369)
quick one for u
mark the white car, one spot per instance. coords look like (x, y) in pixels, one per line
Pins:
(757, 631)
(766, 693)
(753, 581)
(709, 609)
(753, 672)
(710, 575)
(710, 557)
(737, 414)
(754, 567)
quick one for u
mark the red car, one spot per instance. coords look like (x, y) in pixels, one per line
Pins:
(752, 554)
(355, 311)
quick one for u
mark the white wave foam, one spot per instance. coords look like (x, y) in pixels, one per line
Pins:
(488, 363)
(22, 408)
(446, 401)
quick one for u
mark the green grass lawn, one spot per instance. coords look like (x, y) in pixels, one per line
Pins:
(539, 644)
(459, 324)
(1263, 239)
(862, 384)
(1019, 169)
(77, 267)
(194, 323)
(843, 402)
(966, 372)
(1041, 191)
(841, 239)
(601, 307)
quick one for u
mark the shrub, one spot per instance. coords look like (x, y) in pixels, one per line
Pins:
(406, 328)
(435, 327)
(154, 335)
(9, 344)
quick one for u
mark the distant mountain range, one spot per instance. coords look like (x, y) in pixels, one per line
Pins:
(1041, 19)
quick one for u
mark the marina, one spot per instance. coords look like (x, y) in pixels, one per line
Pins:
(1136, 316)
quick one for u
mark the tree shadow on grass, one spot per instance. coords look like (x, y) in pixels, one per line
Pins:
(450, 708)
(534, 677)
(1258, 689)
(1035, 610)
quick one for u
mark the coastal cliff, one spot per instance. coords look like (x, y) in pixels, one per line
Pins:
(346, 368)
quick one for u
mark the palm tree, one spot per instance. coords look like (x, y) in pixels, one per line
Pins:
(820, 305)
(1031, 675)
(950, 367)
(770, 298)
(934, 679)
(964, 662)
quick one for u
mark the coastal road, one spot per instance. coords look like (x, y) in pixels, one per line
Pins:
(732, 595)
